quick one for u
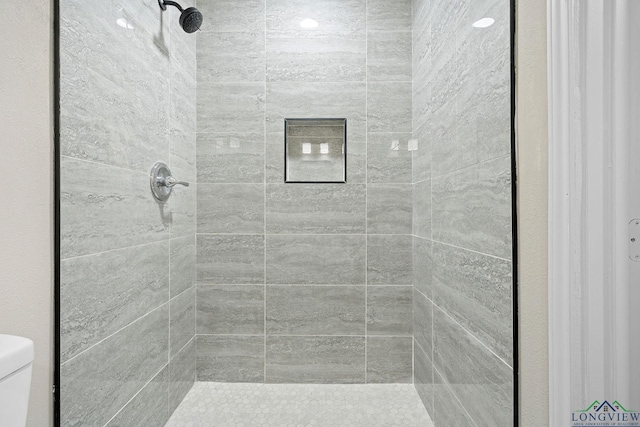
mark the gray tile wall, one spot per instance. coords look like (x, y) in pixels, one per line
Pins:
(462, 282)
(128, 99)
(303, 282)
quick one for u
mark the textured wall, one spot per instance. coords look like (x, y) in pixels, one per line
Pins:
(127, 262)
(462, 212)
(26, 207)
(296, 282)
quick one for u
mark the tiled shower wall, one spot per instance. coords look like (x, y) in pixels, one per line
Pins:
(303, 282)
(462, 212)
(127, 262)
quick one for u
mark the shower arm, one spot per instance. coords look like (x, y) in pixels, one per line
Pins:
(163, 5)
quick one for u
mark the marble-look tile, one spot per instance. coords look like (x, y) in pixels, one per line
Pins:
(315, 310)
(315, 209)
(386, 15)
(446, 21)
(231, 57)
(333, 15)
(182, 158)
(421, 43)
(182, 44)
(490, 43)
(422, 209)
(317, 100)
(100, 381)
(356, 156)
(182, 374)
(423, 322)
(421, 103)
(476, 290)
(183, 264)
(230, 157)
(231, 15)
(183, 99)
(471, 208)
(182, 326)
(316, 259)
(98, 300)
(389, 107)
(423, 266)
(389, 310)
(389, 56)
(231, 107)
(230, 208)
(109, 140)
(389, 260)
(389, 208)
(108, 196)
(422, 156)
(229, 358)
(445, 155)
(423, 377)
(481, 381)
(230, 309)
(447, 410)
(315, 360)
(388, 158)
(149, 407)
(389, 359)
(230, 259)
(182, 210)
(317, 56)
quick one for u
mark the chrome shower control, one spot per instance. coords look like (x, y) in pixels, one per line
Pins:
(162, 182)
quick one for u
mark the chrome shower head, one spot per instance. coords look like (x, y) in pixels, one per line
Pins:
(190, 18)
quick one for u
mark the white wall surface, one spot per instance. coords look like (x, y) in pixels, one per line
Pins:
(531, 66)
(26, 213)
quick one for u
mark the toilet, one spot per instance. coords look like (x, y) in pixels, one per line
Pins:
(16, 357)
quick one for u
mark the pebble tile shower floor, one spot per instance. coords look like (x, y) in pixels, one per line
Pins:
(316, 405)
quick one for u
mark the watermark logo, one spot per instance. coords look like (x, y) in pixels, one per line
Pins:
(605, 414)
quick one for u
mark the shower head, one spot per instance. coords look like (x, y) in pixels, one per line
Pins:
(190, 18)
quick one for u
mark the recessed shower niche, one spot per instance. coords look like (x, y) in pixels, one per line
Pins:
(315, 150)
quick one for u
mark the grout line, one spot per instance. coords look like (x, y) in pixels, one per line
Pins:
(463, 168)
(264, 204)
(466, 249)
(109, 165)
(366, 190)
(167, 239)
(306, 335)
(446, 384)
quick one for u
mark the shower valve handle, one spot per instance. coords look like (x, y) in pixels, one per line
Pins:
(171, 181)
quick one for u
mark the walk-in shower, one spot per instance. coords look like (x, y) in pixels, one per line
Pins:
(343, 251)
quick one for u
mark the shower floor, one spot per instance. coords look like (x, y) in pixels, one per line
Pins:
(316, 405)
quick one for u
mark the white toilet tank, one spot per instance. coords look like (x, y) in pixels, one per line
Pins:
(16, 357)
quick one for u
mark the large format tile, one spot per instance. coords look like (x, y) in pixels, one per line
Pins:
(386, 15)
(315, 310)
(98, 300)
(182, 374)
(317, 100)
(389, 260)
(423, 266)
(232, 15)
(231, 107)
(97, 383)
(423, 377)
(332, 15)
(422, 155)
(231, 57)
(230, 259)
(388, 158)
(309, 208)
(389, 359)
(423, 322)
(230, 358)
(447, 410)
(319, 56)
(119, 203)
(389, 56)
(182, 325)
(389, 310)
(472, 208)
(389, 107)
(182, 210)
(422, 209)
(481, 381)
(316, 259)
(230, 309)
(475, 290)
(234, 157)
(315, 359)
(182, 264)
(230, 208)
(149, 407)
(389, 208)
